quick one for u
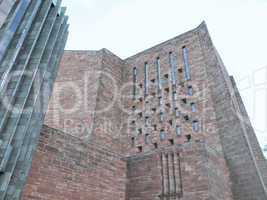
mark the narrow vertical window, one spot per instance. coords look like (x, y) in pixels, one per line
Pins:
(134, 82)
(160, 101)
(146, 121)
(146, 79)
(193, 107)
(186, 64)
(158, 75)
(174, 95)
(173, 71)
(133, 142)
(162, 135)
(195, 126)
(146, 138)
(190, 91)
(177, 112)
(161, 116)
(178, 130)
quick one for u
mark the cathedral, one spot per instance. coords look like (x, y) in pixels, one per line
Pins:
(165, 124)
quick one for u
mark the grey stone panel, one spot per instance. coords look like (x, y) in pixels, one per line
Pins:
(33, 129)
(36, 46)
(21, 63)
(17, 129)
(11, 27)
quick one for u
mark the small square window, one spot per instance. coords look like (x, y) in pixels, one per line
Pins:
(140, 131)
(184, 100)
(166, 76)
(155, 145)
(186, 117)
(171, 141)
(188, 137)
(167, 90)
(140, 149)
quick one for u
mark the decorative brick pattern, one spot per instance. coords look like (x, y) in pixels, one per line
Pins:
(185, 137)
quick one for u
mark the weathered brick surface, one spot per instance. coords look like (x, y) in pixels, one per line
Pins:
(93, 102)
(65, 168)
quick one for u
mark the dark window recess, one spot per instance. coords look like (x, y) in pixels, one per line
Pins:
(166, 76)
(167, 90)
(155, 145)
(140, 115)
(168, 105)
(186, 117)
(153, 94)
(153, 80)
(180, 70)
(141, 85)
(140, 149)
(171, 141)
(184, 100)
(155, 127)
(133, 122)
(162, 135)
(133, 141)
(188, 137)
(170, 122)
(140, 131)
(133, 108)
(154, 110)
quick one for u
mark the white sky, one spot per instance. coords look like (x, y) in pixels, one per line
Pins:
(236, 26)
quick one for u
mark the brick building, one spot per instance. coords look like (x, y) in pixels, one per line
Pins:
(167, 123)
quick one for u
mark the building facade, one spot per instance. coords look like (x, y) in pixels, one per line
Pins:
(32, 39)
(167, 123)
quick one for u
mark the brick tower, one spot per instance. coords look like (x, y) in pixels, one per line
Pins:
(167, 124)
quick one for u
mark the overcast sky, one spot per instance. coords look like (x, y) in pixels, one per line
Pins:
(237, 27)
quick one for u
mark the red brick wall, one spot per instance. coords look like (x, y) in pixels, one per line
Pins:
(199, 174)
(64, 168)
